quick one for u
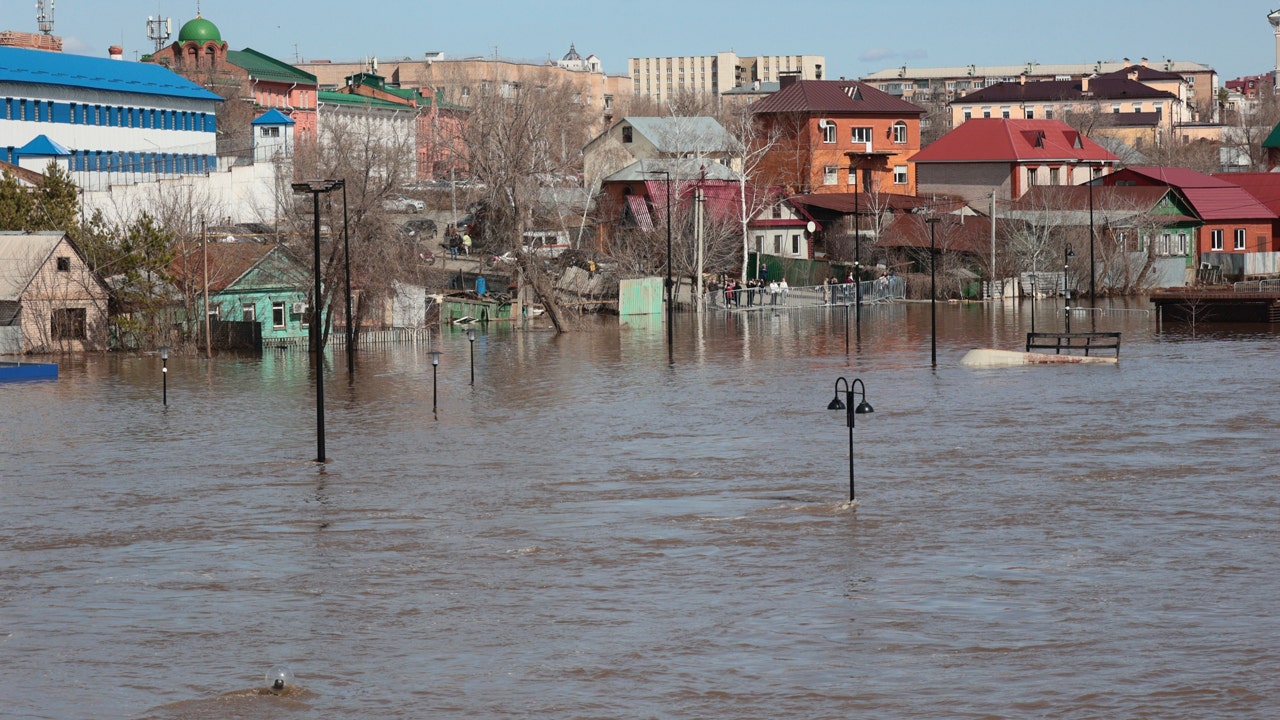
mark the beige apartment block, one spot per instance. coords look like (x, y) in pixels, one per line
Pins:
(662, 78)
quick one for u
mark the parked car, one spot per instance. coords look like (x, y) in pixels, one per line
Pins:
(420, 228)
(400, 203)
(545, 243)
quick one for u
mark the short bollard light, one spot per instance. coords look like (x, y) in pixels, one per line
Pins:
(471, 338)
(164, 373)
(862, 408)
(435, 363)
(279, 678)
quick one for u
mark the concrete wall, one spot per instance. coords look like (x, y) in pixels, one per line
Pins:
(971, 181)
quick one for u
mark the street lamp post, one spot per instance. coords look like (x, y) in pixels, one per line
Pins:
(1093, 290)
(1033, 302)
(471, 338)
(315, 187)
(164, 373)
(346, 256)
(435, 364)
(933, 295)
(1066, 287)
(670, 307)
(850, 410)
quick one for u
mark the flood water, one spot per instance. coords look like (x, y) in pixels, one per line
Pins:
(593, 532)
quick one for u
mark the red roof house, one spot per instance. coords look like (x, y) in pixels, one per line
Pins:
(1265, 188)
(1234, 220)
(1008, 156)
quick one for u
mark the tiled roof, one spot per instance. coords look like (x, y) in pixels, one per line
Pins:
(1100, 88)
(265, 67)
(19, 65)
(834, 97)
(1006, 140)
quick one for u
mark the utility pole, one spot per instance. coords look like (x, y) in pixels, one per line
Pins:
(204, 246)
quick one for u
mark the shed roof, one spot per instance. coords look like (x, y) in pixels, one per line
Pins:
(40, 67)
(834, 97)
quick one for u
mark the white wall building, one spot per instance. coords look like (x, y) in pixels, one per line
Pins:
(662, 78)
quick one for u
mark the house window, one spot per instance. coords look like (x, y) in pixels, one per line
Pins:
(968, 114)
(775, 212)
(1162, 244)
(627, 133)
(277, 314)
(1055, 176)
(1183, 246)
(1048, 113)
(1115, 109)
(777, 244)
(67, 324)
(1029, 113)
(795, 244)
(249, 312)
(986, 112)
(1137, 107)
(828, 131)
(830, 175)
(1005, 112)
(900, 132)
(215, 311)
(64, 264)
(1033, 176)
(899, 174)
(1240, 239)
(271, 132)
(860, 135)
(1215, 240)
(759, 243)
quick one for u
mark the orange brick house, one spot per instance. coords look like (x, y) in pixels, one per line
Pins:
(837, 136)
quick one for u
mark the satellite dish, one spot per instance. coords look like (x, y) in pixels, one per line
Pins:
(811, 226)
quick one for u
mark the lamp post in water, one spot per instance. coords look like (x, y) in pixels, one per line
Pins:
(1066, 287)
(850, 410)
(164, 373)
(933, 295)
(435, 364)
(670, 307)
(471, 338)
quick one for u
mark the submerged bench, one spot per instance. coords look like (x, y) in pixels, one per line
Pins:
(1089, 341)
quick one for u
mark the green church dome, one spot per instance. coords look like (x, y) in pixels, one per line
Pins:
(200, 31)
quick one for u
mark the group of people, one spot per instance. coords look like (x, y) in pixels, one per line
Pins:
(734, 290)
(456, 242)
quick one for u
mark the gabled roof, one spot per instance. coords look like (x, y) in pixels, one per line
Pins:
(683, 170)
(265, 67)
(42, 146)
(1263, 186)
(328, 97)
(273, 117)
(1145, 73)
(22, 255)
(834, 97)
(1273, 140)
(982, 71)
(1006, 140)
(683, 134)
(1212, 198)
(228, 263)
(20, 65)
(954, 232)
(1100, 88)
(1114, 205)
(862, 203)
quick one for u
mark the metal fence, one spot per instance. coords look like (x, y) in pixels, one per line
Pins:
(1257, 286)
(885, 289)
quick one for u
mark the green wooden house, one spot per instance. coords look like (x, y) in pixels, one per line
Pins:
(249, 282)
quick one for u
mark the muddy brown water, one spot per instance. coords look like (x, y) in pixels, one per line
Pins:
(593, 532)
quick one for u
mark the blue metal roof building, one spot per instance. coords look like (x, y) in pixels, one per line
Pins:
(41, 67)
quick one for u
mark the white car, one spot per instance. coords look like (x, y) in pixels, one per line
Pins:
(400, 203)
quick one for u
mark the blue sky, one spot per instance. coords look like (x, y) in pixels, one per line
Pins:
(856, 36)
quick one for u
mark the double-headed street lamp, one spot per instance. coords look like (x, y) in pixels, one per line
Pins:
(315, 187)
(862, 408)
(164, 373)
(1066, 287)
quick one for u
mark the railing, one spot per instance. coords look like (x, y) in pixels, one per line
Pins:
(1257, 286)
(1110, 312)
(886, 289)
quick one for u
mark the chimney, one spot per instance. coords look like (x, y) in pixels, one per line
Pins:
(787, 79)
(1144, 62)
(116, 52)
(1022, 79)
(1084, 84)
(1133, 75)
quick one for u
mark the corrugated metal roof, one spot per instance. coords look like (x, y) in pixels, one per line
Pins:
(327, 97)
(1263, 186)
(684, 134)
(19, 65)
(682, 170)
(834, 97)
(273, 117)
(1007, 140)
(41, 145)
(1212, 198)
(265, 67)
(1100, 89)
(982, 71)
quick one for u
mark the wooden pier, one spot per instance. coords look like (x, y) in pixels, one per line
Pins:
(1219, 304)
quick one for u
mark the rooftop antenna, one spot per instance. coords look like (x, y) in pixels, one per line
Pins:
(44, 16)
(158, 30)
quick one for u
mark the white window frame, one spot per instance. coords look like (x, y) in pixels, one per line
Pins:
(830, 175)
(828, 132)
(279, 310)
(900, 133)
(900, 175)
(249, 312)
(1215, 239)
(859, 135)
(1242, 239)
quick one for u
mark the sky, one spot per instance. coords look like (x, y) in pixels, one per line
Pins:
(856, 36)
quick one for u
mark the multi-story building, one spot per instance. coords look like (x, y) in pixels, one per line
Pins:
(836, 136)
(662, 78)
(946, 83)
(455, 81)
(105, 120)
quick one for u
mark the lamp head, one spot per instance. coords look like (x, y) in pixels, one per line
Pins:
(164, 352)
(279, 677)
(864, 407)
(471, 335)
(836, 403)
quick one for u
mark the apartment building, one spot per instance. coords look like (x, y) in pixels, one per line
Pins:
(662, 78)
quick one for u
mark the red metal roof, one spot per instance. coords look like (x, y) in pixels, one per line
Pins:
(954, 233)
(1263, 186)
(1006, 140)
(1213, 198)
(834, 97)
